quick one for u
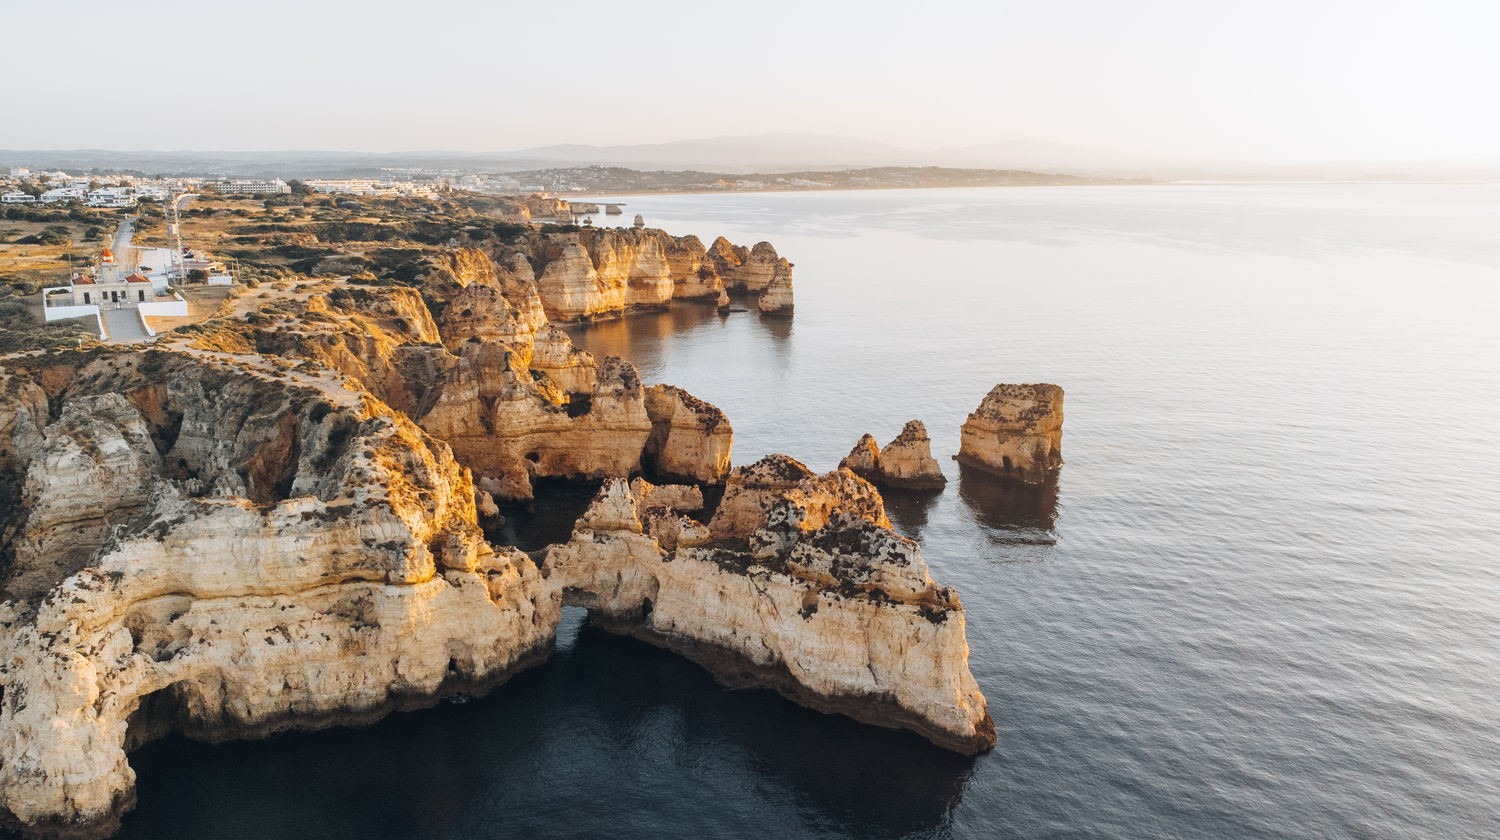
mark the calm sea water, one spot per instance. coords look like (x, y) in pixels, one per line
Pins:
(1261, 599)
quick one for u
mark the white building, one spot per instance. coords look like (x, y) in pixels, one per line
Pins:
(109, 285)
(247, 187)
(62, 194)
(19, 172)
(351, 186)
(111, 197)
(17, 198)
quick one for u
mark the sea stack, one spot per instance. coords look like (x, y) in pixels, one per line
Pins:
(1015, 432)
(906, 462)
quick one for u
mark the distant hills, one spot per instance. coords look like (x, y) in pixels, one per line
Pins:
(783, 152)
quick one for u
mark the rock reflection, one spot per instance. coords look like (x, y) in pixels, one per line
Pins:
(643, 337)
(1011, 512)
(908, 509)
(778, 326)
(827, 759)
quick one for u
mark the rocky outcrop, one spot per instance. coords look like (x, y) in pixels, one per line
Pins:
(690, 439)
(683, 498)
(482, 312)
(841, 616)
(599, 273)
(291, 547)
(753, 490)
(777, 296)
(1015, 432)
(906, 462)
(570, 369)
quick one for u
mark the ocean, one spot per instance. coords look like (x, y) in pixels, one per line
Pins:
(1260, 599)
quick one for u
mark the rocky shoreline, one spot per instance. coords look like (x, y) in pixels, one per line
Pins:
(271, 521)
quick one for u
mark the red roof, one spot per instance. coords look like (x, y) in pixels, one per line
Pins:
(83, 281)
(136, 278)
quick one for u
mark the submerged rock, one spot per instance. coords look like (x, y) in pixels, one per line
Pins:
(1016, 432)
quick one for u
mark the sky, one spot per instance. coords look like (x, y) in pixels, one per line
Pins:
(1266, 81)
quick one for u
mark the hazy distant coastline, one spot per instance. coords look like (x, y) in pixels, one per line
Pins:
(812, 157)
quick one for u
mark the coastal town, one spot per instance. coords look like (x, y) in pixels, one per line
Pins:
(114, 256)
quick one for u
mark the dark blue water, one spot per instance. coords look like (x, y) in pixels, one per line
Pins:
(1261, 599)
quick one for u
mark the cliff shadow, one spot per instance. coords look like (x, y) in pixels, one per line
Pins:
(608, 720)
(881, 782)
(548, 518)
(1011, 512)
(908, 509)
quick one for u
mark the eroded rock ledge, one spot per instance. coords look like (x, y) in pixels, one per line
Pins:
(797, 585)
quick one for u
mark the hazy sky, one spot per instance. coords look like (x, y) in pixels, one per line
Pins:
(1273, 81)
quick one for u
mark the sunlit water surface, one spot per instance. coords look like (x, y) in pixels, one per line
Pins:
(1260, 600)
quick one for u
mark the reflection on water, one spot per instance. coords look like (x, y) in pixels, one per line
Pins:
(650, 340)
(908, 509)
(1010, 512)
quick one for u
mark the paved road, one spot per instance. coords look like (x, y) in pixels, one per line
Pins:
(125, 253)
(123, 326)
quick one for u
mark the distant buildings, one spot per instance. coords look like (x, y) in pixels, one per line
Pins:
(111, 197)
(369, 186)
(17, 198)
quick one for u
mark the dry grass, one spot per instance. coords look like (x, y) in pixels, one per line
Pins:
(22, 328)
(45, 265)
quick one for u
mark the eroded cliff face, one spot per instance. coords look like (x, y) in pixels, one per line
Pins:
(288, 554)
(1015, 432)
(830, 608)
(602, 273)
(516, 401)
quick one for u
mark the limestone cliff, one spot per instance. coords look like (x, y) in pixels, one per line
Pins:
(1016, 431)
(598, 273)
(841, 616)
(690, 439)
(300, 556)
(273, 523)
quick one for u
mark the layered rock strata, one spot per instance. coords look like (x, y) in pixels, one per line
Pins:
(1015, 432)
(690, 439)
(827, 606)
(905, 462)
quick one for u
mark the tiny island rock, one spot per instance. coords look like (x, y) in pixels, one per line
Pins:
(1016, 432)
(905, 462)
